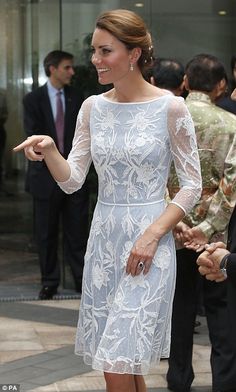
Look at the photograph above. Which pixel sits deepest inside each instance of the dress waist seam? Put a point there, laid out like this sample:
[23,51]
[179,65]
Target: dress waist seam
[130,204]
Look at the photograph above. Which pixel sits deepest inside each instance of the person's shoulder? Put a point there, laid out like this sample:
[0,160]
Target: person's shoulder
[210,113]
[37,92]
[88,103]
[166,99]
[175,104]
[167,95]
[175,98]
[200,106]
[35,96]
[90,99]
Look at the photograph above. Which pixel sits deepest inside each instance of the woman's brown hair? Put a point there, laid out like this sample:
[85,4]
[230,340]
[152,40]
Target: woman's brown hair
[129,28]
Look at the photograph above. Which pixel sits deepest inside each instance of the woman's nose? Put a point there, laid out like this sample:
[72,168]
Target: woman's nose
[95,59]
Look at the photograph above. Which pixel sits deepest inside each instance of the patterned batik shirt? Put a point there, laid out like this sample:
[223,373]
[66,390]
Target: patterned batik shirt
[216,137]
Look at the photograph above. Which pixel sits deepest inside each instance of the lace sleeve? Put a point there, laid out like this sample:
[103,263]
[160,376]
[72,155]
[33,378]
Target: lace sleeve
[185,154]
[79,158]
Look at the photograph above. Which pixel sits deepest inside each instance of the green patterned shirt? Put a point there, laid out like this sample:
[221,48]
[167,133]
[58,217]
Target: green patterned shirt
[216,138]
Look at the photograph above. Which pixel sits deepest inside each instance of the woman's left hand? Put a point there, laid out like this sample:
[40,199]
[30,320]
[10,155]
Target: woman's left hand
[142,253]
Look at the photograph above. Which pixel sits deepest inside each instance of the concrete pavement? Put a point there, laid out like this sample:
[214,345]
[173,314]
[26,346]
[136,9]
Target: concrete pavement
[37,351]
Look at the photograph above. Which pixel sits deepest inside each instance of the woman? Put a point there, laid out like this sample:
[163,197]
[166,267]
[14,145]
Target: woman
[132,133]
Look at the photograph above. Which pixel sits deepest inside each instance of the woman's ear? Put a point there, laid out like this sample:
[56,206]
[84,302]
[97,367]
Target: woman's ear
[135,54]
[221,87]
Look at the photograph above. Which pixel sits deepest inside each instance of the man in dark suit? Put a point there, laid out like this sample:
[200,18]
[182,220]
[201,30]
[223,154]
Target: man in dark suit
[52,109]
[219,264]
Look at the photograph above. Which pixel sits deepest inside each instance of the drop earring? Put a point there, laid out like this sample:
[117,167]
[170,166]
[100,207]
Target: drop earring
[131,67]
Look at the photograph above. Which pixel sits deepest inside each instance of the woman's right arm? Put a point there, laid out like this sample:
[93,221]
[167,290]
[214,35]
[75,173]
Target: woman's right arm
[42,147]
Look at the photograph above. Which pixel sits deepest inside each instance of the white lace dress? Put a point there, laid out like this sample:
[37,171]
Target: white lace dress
[124,321]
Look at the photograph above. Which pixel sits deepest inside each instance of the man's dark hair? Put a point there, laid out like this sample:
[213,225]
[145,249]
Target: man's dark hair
[167,73]
[204,71]
[55,58]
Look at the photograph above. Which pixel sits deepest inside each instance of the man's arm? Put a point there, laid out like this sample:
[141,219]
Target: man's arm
[221,206]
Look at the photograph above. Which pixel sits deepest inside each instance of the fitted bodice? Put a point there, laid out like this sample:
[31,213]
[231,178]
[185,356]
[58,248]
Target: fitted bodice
[130,150]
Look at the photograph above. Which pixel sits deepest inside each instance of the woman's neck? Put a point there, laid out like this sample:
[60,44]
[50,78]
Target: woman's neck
[138,91]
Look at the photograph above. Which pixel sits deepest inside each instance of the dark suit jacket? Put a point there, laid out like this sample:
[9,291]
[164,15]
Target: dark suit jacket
[227,103]
[38,120]
[231,245]
[231,290]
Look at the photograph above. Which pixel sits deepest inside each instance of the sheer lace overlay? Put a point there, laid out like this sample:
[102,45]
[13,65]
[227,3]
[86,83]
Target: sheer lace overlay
[124,321]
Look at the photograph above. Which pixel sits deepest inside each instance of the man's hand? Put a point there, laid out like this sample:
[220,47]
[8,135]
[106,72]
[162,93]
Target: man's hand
[209,261]
[214,245]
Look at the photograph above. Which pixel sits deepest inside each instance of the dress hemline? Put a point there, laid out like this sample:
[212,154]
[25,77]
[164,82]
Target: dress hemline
[101,369]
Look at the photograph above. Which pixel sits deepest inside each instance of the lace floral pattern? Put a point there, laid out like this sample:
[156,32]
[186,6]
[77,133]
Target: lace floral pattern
[124,322]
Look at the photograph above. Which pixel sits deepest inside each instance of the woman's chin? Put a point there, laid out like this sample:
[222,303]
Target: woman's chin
[103,81]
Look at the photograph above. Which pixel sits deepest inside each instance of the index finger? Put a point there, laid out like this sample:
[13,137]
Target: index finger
[22,145]
[30,141]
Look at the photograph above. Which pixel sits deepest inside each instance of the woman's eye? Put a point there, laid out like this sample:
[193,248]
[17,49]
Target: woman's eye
[101,52]
[106,51]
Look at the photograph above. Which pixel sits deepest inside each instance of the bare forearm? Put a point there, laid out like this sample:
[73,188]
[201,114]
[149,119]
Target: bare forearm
[57,165]
[167,221]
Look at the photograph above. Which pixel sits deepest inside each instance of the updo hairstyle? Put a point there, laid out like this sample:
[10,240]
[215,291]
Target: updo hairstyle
[129,28]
